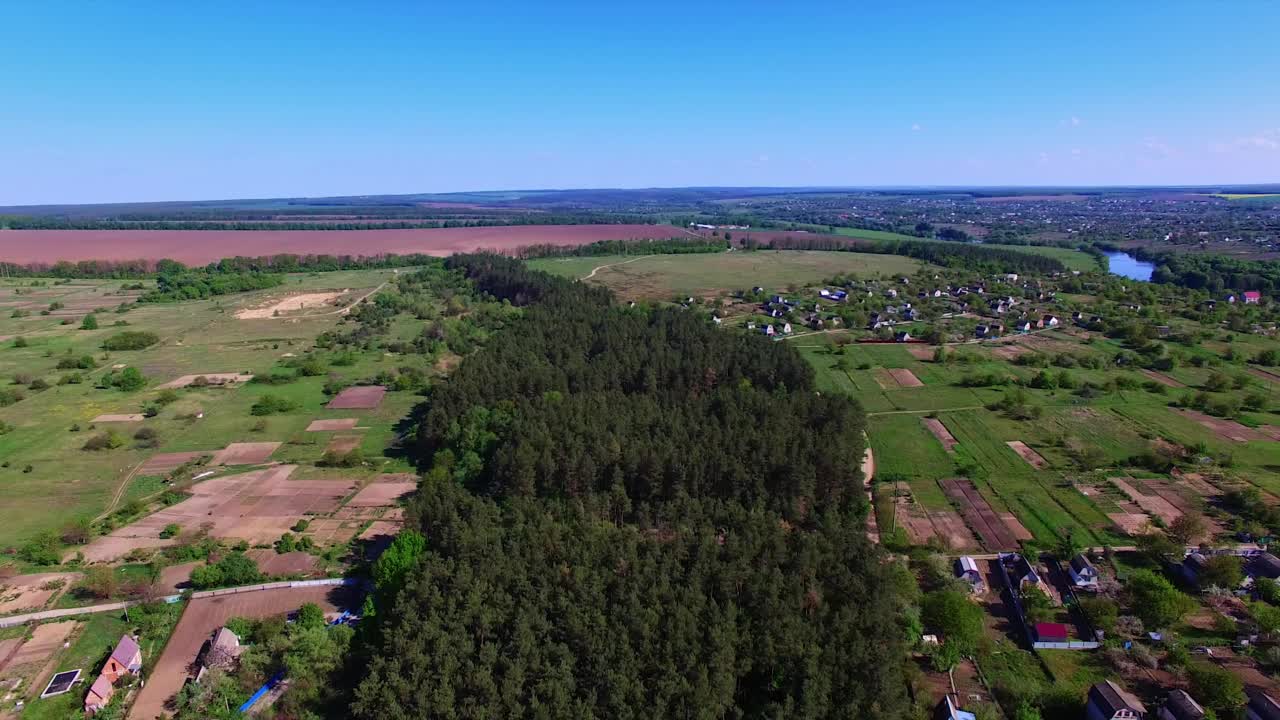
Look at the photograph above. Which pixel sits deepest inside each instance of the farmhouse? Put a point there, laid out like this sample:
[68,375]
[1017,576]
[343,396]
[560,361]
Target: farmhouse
[1083,573]
[99,696]
[1262,707]
[1023,326]
[1252,297]
[947,710]
[967,570]
[1049,321]
[1109,701]
[1022,573]
[1192,565]
[902,336]
[1266,566]
[1180,706]
[222,651]
[1051,632]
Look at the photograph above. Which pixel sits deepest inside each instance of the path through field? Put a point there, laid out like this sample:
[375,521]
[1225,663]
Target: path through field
[598,268]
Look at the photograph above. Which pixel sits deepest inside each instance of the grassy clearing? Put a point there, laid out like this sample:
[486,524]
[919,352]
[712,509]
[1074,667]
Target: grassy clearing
[665,276]
[48,480]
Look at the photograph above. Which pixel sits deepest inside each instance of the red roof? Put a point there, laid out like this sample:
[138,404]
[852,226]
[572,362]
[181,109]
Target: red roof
[1253,295]
[1051,631]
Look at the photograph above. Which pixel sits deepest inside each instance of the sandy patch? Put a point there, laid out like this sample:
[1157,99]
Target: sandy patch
[337,424]
[332,531]
[31,592]
[293,303]
[1033,458]
[254,453]
[213,378]
[109,418]
[941,432]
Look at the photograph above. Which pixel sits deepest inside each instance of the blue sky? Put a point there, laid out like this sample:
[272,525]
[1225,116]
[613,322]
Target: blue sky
[104,102]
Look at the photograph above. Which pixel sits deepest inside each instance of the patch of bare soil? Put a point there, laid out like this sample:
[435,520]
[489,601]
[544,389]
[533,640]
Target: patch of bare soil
[1161,378]
[905,378]
[1033,458]
[941,432]
[1151,504]
[1229,429]
[293,303]
[210,379]
[921,352]
[32,592]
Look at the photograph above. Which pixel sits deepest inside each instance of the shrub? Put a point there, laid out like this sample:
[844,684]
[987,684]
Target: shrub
[146,438]
[170,530]
[353,458]
[108,440]
[167,396]
[130,340]
[270,404]
[90,322]
[38,384]
[234,569]
[20,342]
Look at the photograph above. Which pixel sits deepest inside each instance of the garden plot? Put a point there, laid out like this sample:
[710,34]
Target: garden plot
[210,378]
[382,494]
[343,444]
[332,531]
[361,397]
[256,506]
[123,418]
[982,518]
[922,524]
[1228,429]
[941,432]
[32,592]
[1006,351]
[254,453]
[290,563]
[329,425]
[922,352]
[1033,458]
[1152,504]
[34,656]
[894,378]
[168,462]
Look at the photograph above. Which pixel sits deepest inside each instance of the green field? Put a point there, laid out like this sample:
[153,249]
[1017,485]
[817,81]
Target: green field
[705,274]
[47,480]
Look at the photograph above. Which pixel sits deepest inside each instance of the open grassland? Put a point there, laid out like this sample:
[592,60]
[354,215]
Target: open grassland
[1248,196]
[48,480]
[708,274]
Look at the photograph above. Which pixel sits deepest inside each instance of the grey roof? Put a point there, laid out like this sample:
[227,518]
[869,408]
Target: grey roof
[1267,565]
[1264,706]
[1080,563]
[1110,697]
[1181,706]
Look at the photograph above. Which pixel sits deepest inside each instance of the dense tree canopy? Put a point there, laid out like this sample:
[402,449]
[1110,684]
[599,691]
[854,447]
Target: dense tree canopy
[630,514]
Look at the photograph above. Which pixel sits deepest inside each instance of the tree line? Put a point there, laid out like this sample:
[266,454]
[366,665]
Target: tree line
[954,255]
[1214,273]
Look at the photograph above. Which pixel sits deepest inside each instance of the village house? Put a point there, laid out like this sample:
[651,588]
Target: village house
[100,693]
[221,651]
[1180,706]
[125,659]
[1262,707]
[1192,565]
[1047,632]
[768,330]
[1265,565]
[1252,297]
[1109,701]
[1023,574]
[1049,321]
[981,331]
[1023,326]
[786,328]
[948,710]
[902,336]
[967,570]
[1083,573]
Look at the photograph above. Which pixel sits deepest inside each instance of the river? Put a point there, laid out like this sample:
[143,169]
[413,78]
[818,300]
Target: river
[1126,265]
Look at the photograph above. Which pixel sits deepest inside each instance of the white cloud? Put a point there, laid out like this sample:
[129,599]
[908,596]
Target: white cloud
[915,127]
[1075,121]
[1264,140]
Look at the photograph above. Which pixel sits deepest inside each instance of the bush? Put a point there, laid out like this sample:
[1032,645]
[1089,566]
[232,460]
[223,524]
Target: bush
[350,459]
[167,396]
[234,569]
[90,322]
[84,362]
[130,340]
[146,438]
[38,384]
[270,404]
[109,440]
[170,530]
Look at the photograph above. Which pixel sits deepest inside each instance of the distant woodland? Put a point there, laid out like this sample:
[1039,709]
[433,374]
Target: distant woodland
[631,515]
